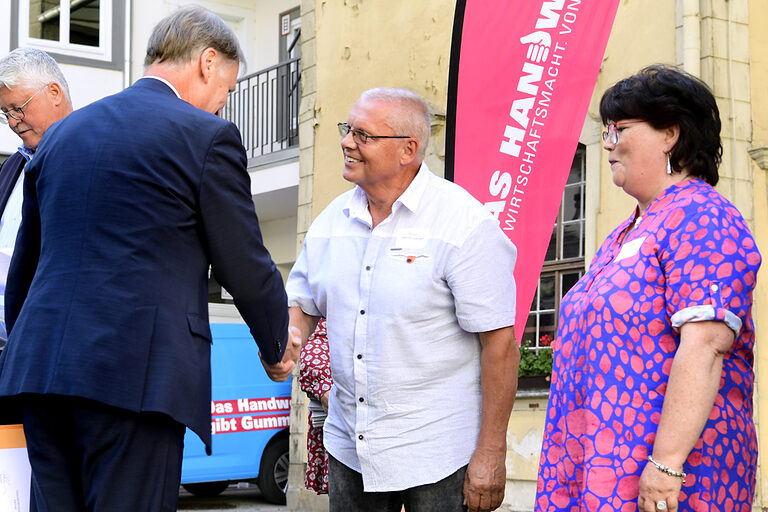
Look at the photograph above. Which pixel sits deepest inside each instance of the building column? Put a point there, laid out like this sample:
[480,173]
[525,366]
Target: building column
[759,156]
[726,65]
[298,497]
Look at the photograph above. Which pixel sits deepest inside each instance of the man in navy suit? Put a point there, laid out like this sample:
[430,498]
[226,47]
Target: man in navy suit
[126,204]
[33,95]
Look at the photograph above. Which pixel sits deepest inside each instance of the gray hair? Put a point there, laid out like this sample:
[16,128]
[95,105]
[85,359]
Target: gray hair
[410,115]
[29,67]
[183,34]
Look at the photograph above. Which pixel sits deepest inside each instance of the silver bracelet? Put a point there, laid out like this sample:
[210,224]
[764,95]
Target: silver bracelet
[665,469]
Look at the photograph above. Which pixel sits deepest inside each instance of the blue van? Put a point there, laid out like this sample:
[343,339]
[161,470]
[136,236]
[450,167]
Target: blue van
[249,421]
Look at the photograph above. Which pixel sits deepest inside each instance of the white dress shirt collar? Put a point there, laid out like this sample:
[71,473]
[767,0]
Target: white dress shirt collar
[357,205]
[166,82]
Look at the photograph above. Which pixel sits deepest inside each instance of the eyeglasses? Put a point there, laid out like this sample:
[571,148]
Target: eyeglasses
[612,135]
[360,137]
[19,111]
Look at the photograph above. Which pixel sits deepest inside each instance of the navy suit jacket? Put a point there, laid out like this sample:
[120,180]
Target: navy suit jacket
[126,203]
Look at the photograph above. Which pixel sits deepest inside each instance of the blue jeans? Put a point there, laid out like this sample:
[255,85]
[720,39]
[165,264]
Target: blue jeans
[345,492]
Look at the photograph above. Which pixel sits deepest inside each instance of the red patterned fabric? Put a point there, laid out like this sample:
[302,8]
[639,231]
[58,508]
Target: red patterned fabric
[315,380]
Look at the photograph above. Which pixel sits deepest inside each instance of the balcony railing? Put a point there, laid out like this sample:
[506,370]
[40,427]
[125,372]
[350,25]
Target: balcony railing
[265,107]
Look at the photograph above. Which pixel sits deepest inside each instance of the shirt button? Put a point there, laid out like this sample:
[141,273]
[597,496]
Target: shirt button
[714,288]
[359,356]
[367,267]
[360,437]
[361,399]
[362,311]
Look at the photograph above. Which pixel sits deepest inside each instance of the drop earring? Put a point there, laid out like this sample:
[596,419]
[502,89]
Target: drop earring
[669,165]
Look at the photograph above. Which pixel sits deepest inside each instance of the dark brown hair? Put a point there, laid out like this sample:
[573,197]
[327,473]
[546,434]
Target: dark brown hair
[665,96]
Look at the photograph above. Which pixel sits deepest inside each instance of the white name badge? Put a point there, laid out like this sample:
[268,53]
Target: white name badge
[629,249]
[410,240]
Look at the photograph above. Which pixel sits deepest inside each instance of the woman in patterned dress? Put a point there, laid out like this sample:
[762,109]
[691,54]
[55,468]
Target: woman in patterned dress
[651,399]
[316,381]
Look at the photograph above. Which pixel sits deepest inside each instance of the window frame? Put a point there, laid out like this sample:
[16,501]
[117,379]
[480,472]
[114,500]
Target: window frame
[558,267]
[109,54]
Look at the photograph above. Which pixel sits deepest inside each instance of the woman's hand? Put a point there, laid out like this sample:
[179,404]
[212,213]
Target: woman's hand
[324,400]
[655,487]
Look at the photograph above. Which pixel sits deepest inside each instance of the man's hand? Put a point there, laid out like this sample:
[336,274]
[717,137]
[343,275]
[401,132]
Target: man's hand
[485,481]
[486,475]
[280,371]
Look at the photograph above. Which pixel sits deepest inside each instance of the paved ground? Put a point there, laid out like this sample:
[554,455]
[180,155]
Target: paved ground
[246,499]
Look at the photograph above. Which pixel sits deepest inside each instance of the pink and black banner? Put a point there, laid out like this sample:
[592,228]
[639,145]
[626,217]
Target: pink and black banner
[521,78]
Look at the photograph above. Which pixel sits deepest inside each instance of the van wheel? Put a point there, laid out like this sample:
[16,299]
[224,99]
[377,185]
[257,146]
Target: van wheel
[206,489]
[273,472]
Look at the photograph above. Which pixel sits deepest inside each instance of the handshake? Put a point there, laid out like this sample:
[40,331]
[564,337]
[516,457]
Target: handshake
[282,370]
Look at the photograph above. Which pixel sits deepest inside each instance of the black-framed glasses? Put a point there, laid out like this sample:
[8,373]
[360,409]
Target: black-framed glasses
[612,135]
[360,137]
[18,112]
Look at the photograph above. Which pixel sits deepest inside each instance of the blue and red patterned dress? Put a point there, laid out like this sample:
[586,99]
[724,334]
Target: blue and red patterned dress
[690,257]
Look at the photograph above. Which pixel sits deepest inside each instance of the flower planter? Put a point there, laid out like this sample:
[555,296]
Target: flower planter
[533,382]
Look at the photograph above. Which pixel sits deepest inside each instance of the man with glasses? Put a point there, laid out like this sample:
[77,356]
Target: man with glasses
[127,203]
[415,279]
[33,95]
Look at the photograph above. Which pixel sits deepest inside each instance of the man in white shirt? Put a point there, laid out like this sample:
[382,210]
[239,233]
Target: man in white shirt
[415,279]
[33,95]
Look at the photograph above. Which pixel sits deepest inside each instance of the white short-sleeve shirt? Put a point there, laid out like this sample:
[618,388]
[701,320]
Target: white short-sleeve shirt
[404,302]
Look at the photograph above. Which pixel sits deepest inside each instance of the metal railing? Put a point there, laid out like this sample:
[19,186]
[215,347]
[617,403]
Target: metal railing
[265,108]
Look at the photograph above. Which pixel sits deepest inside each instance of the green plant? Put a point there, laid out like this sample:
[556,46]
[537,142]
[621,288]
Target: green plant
[536,361]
